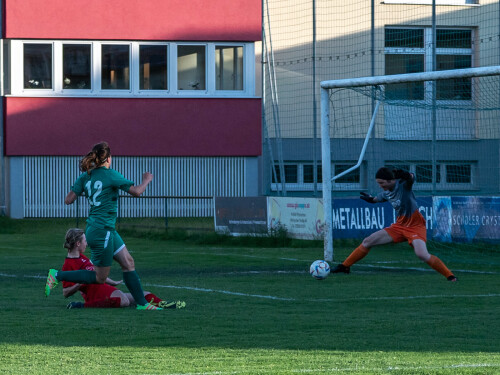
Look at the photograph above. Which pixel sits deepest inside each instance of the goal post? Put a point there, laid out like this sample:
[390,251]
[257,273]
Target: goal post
[449,105]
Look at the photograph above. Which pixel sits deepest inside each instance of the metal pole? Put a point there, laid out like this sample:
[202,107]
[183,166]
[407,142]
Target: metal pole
[327,174]
[434,117]
[315,135]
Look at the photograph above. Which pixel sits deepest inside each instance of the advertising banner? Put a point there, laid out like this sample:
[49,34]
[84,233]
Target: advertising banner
[241,215]
[302,217]
[355,218]
[466,219]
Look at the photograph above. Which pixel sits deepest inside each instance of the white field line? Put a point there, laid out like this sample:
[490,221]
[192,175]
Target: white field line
[305,261]
[351,369]
[276,298]
[206,290]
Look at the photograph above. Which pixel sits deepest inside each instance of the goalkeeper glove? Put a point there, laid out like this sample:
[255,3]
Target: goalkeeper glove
[401,174]
[367,197]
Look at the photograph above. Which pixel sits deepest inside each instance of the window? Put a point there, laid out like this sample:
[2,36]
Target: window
[77,60]
[300,176]
[408,50]
[458,173]
[423,173]
[129,69]
[115,67]
[37,66]
[191,67]
[429,2]
[290,171]
[349,178]
[228,68]
[153,73]
[309,174]
[449,175]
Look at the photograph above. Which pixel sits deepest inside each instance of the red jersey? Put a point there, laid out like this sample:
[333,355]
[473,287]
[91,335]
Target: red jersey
[90,292]
[75,264]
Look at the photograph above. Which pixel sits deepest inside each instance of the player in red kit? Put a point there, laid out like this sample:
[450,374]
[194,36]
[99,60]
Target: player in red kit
[98,295]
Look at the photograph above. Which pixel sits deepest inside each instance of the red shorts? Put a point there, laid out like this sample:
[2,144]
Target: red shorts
[98,292]
[409,229]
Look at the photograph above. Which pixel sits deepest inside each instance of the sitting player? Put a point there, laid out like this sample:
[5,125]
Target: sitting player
[409,226]
[99,295]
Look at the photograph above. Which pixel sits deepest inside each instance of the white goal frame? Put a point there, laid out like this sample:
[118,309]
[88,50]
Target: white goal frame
[326,159]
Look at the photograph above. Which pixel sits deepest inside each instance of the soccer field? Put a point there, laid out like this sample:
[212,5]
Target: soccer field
[252,311]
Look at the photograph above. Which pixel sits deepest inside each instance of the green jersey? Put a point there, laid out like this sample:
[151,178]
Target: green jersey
[101,187]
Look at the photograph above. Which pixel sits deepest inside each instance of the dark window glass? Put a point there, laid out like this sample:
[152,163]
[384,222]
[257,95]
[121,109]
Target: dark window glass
[351,177]
[404,38]
[453,38]
[115,67]
[37,66]
[291,175]
[458,88]
[402,64]
[76,66]
[424,173]
[458,173]
[309,173]
[153,67]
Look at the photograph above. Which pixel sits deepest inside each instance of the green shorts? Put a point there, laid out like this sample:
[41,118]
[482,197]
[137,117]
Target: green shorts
[104,245]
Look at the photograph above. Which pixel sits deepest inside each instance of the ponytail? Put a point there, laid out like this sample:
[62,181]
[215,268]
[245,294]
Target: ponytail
[95,158]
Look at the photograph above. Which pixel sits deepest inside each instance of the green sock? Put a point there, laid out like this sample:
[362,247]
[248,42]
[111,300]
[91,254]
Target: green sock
[133,284]
[80,276]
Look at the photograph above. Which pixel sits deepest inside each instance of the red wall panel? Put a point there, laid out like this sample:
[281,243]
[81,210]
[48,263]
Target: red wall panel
[133,127]
[208,20]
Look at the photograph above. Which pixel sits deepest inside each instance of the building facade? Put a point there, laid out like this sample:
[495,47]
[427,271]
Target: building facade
[323,40]
[169,85]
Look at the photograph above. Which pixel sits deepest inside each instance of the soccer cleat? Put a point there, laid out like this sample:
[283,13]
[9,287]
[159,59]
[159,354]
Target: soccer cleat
[148,306]
[452,278]
[340,268]
[172,304]
[75,305]
[51,281]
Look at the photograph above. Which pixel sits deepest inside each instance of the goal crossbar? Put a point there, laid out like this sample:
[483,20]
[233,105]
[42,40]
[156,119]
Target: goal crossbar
[411,77]
[326,86]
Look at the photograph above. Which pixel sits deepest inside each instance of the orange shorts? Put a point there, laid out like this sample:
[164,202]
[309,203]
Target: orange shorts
[409,229]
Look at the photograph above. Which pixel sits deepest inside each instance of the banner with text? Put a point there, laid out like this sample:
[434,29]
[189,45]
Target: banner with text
[466,219]
[302,217]
[241,215]
[355,218]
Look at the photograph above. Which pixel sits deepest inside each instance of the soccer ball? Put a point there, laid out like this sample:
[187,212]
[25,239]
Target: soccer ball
[319,269]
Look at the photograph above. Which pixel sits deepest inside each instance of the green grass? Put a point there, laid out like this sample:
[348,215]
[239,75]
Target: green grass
[251,310]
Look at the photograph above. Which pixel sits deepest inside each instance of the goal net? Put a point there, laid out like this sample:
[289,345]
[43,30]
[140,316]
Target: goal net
[442,126]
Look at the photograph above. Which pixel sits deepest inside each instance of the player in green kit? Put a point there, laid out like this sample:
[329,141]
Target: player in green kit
[101,185]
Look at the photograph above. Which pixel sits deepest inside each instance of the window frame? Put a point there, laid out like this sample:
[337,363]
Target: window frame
[17,70]
[428,63]
[20,65]
[300,185]
[438,2]
[60,60]
[442,185]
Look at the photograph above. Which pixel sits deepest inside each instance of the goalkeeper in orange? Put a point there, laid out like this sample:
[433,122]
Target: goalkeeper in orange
[409,226]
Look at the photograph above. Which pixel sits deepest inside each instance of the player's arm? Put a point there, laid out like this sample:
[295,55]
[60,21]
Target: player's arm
[70,198]
[368,198]
[407,177]
[70,290]
[137,190]
[76,189]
